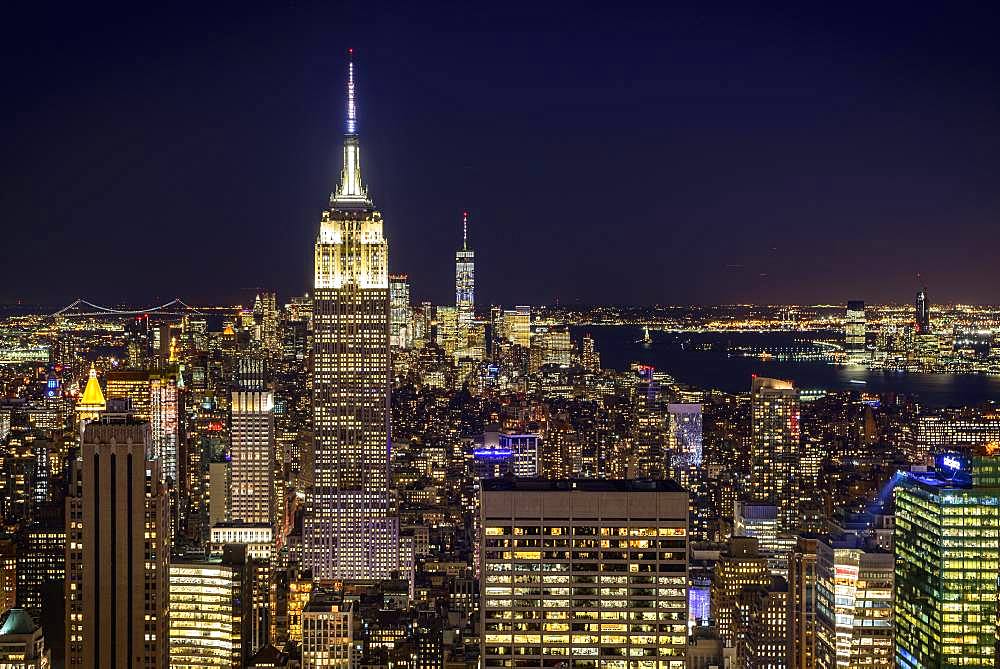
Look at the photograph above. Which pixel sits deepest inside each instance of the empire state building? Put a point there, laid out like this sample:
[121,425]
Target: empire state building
[349,530]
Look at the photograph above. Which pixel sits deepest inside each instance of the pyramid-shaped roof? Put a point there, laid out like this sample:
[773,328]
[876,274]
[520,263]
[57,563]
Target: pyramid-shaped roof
[93,396]
[17,622]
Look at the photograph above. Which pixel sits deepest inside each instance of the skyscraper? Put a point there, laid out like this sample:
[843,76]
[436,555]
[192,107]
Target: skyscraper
[252,452]
[922,312]
[853,603]
[775,445]
[92,401]
[465,282]
[947,545]
[802,604]
[265,310]
[854,332]
[348,530]
[584,572]
[8,574]
[117,552]
[401,315]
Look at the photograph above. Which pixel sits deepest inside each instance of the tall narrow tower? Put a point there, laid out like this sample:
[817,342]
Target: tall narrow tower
[775,446]
[117,552]
[465,283]
[349,531]
[922,312]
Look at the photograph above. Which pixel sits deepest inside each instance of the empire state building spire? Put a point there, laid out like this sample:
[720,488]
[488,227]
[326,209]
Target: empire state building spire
[351,193]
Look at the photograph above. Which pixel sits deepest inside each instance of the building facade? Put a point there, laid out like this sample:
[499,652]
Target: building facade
[854,584]
[947,544]
[585,571]
[252,451]
[775,446]
[854,332]
[117,552]
[349,531]
[210,616]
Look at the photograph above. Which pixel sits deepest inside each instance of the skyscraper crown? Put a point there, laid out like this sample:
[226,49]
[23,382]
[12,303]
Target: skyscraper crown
[351,193]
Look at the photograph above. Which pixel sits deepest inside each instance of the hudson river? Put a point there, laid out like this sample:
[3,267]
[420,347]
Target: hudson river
[684,357]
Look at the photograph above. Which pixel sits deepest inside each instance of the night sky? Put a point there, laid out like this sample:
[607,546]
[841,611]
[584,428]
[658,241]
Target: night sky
[709,153]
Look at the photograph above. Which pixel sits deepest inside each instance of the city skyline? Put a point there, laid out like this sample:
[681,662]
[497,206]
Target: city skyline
[864,165]
[349,474]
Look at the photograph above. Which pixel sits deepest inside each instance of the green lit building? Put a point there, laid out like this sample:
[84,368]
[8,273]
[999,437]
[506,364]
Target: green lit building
[947,542]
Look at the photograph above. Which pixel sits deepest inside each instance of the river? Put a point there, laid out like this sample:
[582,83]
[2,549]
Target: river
[679,355]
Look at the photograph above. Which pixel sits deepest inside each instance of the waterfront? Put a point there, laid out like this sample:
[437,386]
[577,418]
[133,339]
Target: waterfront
[702,360]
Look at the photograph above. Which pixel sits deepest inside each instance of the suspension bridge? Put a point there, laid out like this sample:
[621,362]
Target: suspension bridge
[82,307]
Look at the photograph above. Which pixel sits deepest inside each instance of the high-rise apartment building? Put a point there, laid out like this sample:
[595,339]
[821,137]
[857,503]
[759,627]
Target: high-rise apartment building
[588,572]
[953,429]
[164,423]
[761,521]
[210,616]
[465,283]
[349,531]
[551,345]
[853,604]
[947,545]
[266,316]
[41,562]
[117,552]
[446,325]
[153,397]
[775,446]
[590,359]
[854,332]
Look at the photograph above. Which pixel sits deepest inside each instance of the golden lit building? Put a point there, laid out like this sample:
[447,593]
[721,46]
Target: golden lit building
[210,611]
[299,591]
[92,402]
[348,531]
[588,571]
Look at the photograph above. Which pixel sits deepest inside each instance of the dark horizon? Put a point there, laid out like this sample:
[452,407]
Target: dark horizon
[649,156]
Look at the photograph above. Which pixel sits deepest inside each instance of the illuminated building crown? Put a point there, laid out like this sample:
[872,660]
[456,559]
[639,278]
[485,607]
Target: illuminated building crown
[351,193]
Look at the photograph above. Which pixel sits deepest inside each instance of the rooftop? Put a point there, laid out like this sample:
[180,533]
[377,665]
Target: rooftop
[581,485]
[17,621]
